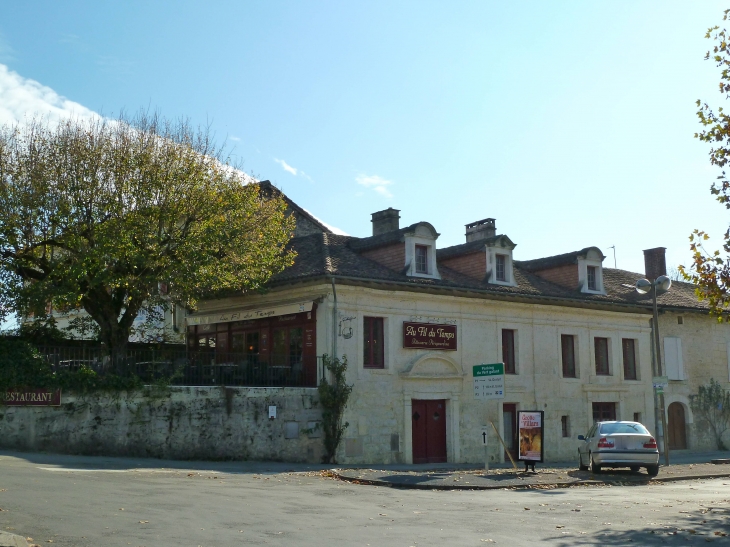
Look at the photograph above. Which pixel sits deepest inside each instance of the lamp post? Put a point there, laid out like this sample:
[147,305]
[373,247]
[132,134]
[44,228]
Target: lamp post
[659,286]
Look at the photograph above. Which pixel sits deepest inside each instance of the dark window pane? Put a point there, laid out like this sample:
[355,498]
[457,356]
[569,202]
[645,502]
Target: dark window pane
[564,426]
[279,357]
[421,259]
[508,351]
[603,412]
[592,278]
[602,356]
[501,268]
[296,346]
[629,358]
[373,348]
[568,351]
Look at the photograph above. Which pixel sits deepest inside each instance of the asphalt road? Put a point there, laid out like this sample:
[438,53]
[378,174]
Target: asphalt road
[67,501]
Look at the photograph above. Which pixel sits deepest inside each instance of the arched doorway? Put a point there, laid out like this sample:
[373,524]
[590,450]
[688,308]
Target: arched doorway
[677,434]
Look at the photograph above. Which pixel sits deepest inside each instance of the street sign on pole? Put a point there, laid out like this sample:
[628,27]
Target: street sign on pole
[489,381]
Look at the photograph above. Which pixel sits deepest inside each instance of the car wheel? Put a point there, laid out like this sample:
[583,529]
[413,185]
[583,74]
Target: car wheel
[595,468]
[580,462]
[652,470]
[634,468]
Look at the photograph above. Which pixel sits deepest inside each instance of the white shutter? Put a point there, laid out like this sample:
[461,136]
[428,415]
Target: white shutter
[673,365]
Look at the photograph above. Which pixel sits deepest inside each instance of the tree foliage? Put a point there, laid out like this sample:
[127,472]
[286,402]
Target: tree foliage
[712,405]
[333,397]
[710,270]
[117,216]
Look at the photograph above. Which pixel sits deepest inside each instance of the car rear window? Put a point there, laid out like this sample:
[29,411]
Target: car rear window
[608,429]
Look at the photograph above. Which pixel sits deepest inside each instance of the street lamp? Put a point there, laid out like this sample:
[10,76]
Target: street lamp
[659,286]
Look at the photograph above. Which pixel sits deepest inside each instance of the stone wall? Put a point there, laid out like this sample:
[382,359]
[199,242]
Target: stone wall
[186,423]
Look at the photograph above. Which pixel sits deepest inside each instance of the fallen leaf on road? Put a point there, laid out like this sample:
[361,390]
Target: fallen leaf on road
[143,521]
[527,508]
[560,526]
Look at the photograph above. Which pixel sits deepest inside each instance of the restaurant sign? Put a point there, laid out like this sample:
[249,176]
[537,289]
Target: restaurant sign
[31,397]
[243,315]
[429,336]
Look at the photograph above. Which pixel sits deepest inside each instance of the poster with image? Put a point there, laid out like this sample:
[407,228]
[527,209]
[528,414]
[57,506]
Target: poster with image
[530,425]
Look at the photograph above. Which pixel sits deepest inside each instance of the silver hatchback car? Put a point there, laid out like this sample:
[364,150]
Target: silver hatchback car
[618,444]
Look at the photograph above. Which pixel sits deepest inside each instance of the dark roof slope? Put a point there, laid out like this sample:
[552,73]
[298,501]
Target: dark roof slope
[270,189]
[325,254]
[552,261]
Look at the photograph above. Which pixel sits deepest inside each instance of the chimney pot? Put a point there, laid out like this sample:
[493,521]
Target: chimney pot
[481,229]
[655,262]
[385,221]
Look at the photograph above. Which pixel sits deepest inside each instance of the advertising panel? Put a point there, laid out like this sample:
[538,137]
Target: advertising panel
[429,336]
[531,434]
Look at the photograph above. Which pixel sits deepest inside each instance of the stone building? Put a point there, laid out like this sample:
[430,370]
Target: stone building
[574,336]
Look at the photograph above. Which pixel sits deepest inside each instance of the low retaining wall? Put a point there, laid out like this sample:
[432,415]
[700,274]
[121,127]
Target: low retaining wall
[187,423]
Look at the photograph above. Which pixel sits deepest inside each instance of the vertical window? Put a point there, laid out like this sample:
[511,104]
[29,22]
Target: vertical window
[567,342]
[592,286]
[604,412]
[508,351]
[565,426]
[602,368]
[421,259]
[373,356]
[637,417]
[629,352]
[501,268]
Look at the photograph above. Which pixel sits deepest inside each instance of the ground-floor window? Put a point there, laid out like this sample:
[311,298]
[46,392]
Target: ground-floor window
[604,412]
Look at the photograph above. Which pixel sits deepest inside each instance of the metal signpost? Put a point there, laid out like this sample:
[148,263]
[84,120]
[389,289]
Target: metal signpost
[488,384]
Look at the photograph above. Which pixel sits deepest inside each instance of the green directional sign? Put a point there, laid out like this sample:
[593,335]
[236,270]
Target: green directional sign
[489,381]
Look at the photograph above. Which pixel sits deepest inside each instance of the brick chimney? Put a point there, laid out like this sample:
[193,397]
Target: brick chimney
[481,229]
[655,262]
[385,221]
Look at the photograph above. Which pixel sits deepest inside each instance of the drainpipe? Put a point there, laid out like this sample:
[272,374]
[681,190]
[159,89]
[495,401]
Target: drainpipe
[334,320]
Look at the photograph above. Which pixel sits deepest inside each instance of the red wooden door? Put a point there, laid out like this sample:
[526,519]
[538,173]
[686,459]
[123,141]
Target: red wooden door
[676,426]
[428,421]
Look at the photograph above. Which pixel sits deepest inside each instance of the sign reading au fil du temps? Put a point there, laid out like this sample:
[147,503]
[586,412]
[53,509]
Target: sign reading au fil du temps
[31,397]
[429,336]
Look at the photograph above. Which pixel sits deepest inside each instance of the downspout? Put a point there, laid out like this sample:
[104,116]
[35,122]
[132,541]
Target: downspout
[334,320]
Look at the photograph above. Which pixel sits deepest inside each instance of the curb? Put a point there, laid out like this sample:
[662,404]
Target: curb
[12,540]
[540,486]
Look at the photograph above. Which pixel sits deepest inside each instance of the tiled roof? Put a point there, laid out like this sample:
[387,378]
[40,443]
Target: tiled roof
[269,188]
[552,261]
[323,255]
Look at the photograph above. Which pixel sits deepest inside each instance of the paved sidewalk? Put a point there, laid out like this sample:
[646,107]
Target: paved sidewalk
[685,466]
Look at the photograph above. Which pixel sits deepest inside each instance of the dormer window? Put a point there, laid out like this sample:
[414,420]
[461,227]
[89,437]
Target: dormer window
[420,247]
[421,259]
[592,278]
[501,261]
[500,270]
[590,271]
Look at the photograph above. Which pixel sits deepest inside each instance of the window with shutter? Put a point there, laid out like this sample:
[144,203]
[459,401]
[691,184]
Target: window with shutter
[673,365]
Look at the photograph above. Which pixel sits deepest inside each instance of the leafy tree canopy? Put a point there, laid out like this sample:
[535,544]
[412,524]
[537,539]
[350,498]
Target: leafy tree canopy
[109,215]
[710,270]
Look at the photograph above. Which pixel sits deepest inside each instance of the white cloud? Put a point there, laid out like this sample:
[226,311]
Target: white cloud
[288,168]
[377,183]
[232,138]
[22,98]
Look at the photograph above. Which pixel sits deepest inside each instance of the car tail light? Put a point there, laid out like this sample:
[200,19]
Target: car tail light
[651,443]
[603,442]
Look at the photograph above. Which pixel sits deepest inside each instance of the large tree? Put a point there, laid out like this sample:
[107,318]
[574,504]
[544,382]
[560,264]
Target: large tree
[100,215]
[710,270]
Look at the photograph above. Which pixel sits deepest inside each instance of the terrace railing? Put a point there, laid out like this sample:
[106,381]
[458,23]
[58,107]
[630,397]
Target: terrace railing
[185,368]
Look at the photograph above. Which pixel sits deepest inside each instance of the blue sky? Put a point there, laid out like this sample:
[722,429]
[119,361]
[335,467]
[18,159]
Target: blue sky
[571,123]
